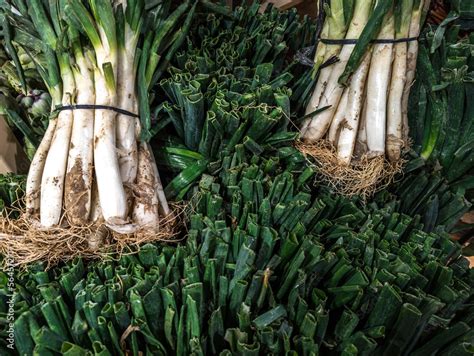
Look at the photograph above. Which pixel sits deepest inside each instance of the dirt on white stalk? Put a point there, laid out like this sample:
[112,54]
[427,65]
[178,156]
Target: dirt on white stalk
[350,126]
[361,143]
[96,212]
[126,139]
[339,117]
[394,115]
[79,176]
[145,209]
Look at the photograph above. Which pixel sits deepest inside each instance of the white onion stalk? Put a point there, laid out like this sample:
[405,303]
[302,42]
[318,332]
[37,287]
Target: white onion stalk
[334,28]
[33,182]
[136,163]
[52,183]
[150,199]
[127,100]
[96,212]
[350,126]
[100,27]
[109,180]
[412,56]
[145,210]
[44,164]
[377,90]
[339,117]
[79,176]
[361,142]
[333,92]
[163,207]
[397,85]
[322,48]
[323,76]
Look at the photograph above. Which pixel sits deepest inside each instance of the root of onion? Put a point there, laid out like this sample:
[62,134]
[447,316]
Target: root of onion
[363,177]
[24,243]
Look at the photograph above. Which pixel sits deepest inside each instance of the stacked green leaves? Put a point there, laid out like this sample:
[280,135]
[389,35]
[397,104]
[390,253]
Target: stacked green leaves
[266,268]
[441,112]
[227,87]
[253,119]
[465,11]
[426,193]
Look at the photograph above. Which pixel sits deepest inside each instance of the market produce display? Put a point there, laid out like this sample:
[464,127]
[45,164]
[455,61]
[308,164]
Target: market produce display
[270,259]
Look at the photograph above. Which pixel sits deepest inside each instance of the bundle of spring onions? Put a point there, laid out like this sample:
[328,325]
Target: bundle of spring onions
[365,62]
[94,163]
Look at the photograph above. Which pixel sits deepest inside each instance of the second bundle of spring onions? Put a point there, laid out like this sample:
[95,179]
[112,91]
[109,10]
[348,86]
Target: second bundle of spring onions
[94,163]
[364,94]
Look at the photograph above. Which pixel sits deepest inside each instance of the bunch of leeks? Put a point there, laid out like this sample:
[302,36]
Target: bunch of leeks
[365,92]
[95,164]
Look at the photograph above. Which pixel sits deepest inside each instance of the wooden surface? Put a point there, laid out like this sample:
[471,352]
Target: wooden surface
[12,156]
[308,7]
[304,7]
[280,4]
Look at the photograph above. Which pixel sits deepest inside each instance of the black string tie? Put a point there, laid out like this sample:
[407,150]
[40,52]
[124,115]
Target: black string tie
[95,107]
[346,41]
